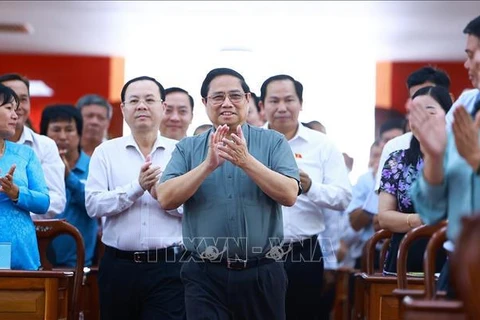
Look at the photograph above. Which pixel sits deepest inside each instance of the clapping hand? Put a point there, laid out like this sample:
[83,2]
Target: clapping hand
[149,175]
[8,186]
[214,160]
[234,150]
[430,131]
[63,156]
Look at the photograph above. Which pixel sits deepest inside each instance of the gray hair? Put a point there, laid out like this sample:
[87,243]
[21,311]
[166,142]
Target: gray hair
[90,99]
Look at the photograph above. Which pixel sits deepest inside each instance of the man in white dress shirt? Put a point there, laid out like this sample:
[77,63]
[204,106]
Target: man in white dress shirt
[139,276]
[325,185]
[44,147]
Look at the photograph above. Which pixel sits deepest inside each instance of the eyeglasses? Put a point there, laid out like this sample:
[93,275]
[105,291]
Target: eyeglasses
[218,98]
[135,102]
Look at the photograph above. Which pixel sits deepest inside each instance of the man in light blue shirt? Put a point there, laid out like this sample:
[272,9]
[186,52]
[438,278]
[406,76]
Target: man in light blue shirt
[63,124]
[449,186]
[467,99]
[357,234]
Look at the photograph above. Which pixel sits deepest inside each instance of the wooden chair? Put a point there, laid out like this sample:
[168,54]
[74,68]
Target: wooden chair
[358,310]
[429,259]
[466,266]
[373,292]
[433,305]
[47,230]
[370,246]
[424,231]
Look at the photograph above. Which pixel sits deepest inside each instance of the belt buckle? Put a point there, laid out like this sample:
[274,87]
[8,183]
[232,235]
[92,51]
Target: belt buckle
[231,264]
[137,256]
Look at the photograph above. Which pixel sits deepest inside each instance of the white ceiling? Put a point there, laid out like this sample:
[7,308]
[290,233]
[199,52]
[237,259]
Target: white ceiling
[396,30]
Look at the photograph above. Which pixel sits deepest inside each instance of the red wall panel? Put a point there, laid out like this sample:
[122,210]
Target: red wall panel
[69,76]
[401,70]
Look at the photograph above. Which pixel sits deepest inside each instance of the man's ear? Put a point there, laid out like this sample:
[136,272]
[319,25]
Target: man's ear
[122,106]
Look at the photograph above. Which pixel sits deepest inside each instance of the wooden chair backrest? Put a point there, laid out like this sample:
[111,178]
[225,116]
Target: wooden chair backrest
[47,230]
[424,231]
[370,248]
[429,260]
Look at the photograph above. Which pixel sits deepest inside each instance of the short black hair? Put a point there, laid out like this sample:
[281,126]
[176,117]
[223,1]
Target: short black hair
[429,74]
[177,89]
[395,123]
[279,77]
[61,112]
[7,95]
[15,76]
[221,72]
[141,78]
[473,27]
[96,99]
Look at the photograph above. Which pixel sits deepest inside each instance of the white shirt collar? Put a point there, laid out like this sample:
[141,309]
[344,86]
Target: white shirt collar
[302,131]
[159,142]
[26,136]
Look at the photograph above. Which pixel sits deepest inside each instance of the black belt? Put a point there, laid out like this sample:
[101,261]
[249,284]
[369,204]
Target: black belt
[149,256]
[240,264]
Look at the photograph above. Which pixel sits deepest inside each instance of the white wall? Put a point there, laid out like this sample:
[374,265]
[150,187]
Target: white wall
[337,70]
